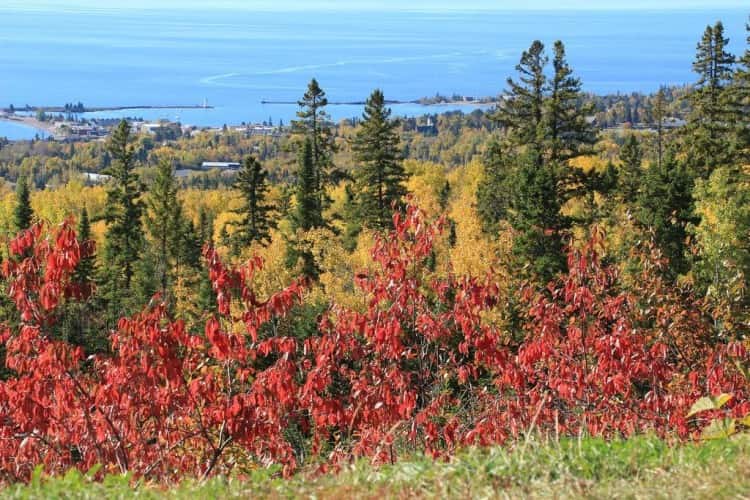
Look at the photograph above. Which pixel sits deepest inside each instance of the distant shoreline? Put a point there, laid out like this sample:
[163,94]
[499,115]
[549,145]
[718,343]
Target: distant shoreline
[29,121]
[96,109]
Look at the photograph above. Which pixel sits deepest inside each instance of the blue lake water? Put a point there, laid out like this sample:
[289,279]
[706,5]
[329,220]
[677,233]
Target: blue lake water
[233,60]
[17,131]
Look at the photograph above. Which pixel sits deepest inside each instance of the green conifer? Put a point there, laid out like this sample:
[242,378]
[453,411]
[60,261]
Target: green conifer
[630,174]
[23,213]
[380,176]
[255,221]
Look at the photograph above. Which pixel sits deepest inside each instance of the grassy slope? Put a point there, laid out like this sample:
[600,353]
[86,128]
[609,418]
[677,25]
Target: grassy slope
[590,468]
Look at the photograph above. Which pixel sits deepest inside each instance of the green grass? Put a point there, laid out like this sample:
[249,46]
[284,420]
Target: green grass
[643,467]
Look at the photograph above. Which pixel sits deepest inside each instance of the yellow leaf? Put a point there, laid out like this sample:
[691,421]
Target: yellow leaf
[706,403]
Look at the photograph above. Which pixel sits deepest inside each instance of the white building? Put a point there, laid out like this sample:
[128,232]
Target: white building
[224,165]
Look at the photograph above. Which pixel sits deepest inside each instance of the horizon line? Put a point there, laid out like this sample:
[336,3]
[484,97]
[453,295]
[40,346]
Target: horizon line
[25,7]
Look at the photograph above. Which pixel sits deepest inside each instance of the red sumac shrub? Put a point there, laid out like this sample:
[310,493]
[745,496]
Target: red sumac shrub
[421,369]
[165,403]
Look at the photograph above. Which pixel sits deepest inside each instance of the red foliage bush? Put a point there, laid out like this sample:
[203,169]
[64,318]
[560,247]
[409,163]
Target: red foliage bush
[421,369]
[164,403]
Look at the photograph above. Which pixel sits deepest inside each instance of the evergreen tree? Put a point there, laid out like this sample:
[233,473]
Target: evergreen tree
[255,221]
[79,324]
[23,214]
[567,133]
[86,270]
[205,226]
[380,176]
[444,196]
[665,206]
[190,246]
[522,108]
[535,216]
[163,224]
[308,214]
[708,125]
[124,243]
[351,217]
[206,299]
[742,102]
[631,173]
[314,124]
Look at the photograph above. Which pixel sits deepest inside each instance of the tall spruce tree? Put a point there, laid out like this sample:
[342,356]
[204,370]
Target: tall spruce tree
[351,218]
[631,173]
[308,214]
[164,224]
[567,133]
[708,141]
[314,124]
[522,109]
[380,176]
[205,226]
[124,242]
[665,207]
[530,178]
[206,297]
[79,322]
[535,216]
[255,222]
[23,213]
[521,114]
[742,101]
[86,269]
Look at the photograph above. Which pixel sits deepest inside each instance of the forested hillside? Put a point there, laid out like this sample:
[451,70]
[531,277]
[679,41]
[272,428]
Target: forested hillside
[560,265]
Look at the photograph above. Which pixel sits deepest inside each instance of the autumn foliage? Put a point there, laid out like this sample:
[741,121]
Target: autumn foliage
[422,368]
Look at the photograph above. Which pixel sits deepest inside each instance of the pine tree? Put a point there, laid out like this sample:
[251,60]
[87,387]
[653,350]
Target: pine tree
[542,117]
[444,196]
[23,213]
[665,207]
[205,226]
[79,322]
[708,143]
[189,248]
[351,218]
[567,133]
[631,173]
[308,214]
[741,100]
[163,223]
[206,297]
[124,243]
[535,216]
[380,176]
[255,221]
[522,109]
[86,270]
[314,124]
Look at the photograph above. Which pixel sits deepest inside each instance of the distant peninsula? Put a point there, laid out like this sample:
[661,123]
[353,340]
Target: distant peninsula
[80,108]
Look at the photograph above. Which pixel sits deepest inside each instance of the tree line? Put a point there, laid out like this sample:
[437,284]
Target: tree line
[540,130]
